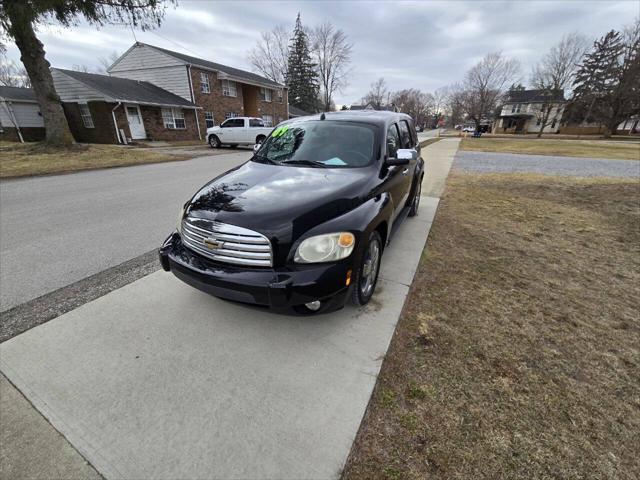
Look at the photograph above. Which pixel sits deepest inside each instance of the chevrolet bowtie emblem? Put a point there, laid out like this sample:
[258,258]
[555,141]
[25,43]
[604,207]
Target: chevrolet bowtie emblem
[212,243]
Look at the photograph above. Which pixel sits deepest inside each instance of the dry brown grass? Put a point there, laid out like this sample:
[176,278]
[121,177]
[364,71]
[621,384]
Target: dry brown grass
[518,353]
[567,148]
[28,159]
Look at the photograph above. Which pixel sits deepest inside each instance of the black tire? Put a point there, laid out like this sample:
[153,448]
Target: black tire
[214,141]
[260,139]
[233,145]
[366,277]
[415,203]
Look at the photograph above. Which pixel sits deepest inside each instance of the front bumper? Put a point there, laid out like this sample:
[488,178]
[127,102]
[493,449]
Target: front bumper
[285,289]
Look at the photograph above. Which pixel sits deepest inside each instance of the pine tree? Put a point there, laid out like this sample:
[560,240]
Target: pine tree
[302,77]
[607,84]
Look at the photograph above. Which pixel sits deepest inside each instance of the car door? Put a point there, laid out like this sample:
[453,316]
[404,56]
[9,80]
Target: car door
[395,180]
[407,141]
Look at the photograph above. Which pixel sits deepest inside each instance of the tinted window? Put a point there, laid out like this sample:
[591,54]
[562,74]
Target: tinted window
[405,135]
[254,122]
[393,141]
[321,143]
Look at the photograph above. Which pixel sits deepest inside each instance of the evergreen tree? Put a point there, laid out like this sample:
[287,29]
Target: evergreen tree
[607,84]
[302,76]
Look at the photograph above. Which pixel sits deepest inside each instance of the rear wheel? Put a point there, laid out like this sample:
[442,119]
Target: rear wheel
[260,139]
[214,141]
[413,211]
[367,276]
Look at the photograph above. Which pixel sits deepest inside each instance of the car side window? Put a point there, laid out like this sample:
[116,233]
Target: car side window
[405,135]
[237,122]
[226,124]
[254,122]
[393,141]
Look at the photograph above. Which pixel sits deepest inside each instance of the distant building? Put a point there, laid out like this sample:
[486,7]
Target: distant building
[219,91]
[521,112]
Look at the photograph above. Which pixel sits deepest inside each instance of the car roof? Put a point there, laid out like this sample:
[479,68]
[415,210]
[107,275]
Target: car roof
[375,117]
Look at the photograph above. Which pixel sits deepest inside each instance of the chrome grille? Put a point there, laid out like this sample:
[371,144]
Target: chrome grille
[226,243]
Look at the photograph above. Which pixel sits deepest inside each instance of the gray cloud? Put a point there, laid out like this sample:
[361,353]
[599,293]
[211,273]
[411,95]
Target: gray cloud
[412,44]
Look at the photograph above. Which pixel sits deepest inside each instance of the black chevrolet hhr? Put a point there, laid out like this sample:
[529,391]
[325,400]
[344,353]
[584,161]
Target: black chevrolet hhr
[301,227]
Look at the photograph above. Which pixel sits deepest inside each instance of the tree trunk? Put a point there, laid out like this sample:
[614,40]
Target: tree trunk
[545,120]
[37,66]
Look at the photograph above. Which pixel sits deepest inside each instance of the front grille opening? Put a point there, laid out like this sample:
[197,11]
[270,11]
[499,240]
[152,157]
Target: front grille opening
[226,243]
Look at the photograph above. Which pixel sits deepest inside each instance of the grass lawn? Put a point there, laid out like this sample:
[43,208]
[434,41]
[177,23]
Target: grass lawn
[517,355]
[27,159]
[567,148]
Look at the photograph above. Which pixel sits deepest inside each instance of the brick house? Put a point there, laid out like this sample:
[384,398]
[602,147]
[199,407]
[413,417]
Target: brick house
[105,109]
[20,117]
[218,90]
[521,112]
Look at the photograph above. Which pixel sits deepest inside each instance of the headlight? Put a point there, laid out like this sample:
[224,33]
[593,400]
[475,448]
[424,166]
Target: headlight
[325,248]
[179,224]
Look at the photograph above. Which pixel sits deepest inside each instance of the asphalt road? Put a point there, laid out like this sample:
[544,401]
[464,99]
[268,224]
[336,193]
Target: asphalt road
[59,229]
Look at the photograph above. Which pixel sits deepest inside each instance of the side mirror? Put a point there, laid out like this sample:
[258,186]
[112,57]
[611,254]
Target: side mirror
[403,156]
[256,147]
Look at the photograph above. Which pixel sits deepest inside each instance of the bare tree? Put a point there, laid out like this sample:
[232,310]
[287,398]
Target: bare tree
[484,84]
[106,62]
[554,73]
[415,103]
[12,74]
[332,53]
[378,94]
[270,56]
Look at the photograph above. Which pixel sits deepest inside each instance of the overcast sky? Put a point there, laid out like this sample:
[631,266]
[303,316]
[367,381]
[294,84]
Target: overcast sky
[423,45]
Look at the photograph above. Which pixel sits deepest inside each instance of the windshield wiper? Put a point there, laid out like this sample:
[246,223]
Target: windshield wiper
[311,163]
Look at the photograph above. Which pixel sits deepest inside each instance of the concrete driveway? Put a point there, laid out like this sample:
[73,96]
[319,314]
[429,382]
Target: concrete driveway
[158,380]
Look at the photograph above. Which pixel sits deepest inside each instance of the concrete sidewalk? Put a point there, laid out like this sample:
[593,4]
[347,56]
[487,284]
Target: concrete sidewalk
[158,380]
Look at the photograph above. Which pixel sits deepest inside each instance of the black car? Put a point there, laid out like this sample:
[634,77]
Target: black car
[301,226]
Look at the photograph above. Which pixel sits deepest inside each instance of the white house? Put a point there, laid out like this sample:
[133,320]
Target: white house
[522,112]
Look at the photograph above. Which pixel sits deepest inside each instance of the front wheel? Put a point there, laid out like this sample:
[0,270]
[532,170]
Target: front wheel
[367,275]
[214,141]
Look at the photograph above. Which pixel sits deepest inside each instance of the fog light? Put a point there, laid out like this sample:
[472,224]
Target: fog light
[313,306]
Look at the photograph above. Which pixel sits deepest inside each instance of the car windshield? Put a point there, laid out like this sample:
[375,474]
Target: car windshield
[319,143]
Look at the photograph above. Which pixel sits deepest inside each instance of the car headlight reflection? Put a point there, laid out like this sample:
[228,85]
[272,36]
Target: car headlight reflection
[325,248]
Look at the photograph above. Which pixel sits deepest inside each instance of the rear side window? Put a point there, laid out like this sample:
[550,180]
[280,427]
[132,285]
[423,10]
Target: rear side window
[405,135]
[254,122]
[393,141]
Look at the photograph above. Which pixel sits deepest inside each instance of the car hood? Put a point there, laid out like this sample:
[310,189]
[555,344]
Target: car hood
[281,202]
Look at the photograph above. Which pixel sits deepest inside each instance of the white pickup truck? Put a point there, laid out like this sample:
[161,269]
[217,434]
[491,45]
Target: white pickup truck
[238,131]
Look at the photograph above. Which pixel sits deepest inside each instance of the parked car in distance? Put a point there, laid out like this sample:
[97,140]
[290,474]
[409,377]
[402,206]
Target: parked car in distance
[301,227]
[238,131]
[469,128]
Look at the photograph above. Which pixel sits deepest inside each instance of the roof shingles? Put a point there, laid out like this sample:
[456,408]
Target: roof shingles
[127,90]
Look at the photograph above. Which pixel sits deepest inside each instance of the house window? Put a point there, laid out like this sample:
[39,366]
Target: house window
[204,83]
[513,108]
[265,94]
[280,95]
[553,124]
[208,119]
[538,122]
[231,115]
[229,88]
[268,120]
[86,115]
[173,118]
